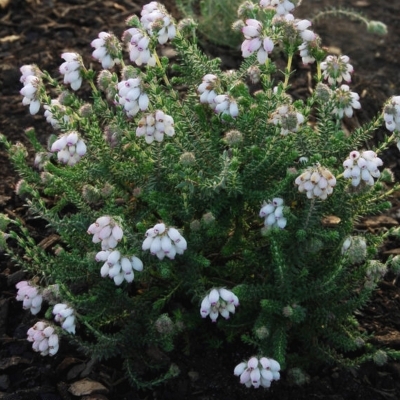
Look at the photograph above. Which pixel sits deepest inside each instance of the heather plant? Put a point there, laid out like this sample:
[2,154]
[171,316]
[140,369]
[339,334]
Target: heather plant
[183,196]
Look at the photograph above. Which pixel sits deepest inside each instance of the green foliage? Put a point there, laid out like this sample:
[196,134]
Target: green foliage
[206,13]
[299,276]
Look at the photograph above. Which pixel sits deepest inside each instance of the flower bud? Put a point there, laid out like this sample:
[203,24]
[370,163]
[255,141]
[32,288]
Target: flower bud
[380,358]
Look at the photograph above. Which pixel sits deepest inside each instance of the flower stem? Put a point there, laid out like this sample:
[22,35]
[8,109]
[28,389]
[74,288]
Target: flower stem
[319,73]
[166,80]
[288,69]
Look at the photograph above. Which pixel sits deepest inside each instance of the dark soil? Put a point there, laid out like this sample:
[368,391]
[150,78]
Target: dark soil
[38,31]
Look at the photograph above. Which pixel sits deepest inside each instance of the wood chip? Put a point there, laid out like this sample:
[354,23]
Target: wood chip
[49,241]
[10,38]
[4,3]
[377,221]
[392,251]
[362,3]
[330,220]
[86,387]
[96,396]
[4,199]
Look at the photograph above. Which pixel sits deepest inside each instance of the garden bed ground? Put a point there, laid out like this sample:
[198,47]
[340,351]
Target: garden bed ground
[38,31]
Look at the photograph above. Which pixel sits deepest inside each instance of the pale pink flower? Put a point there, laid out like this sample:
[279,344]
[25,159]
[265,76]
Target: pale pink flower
[163,241]
[336,69]
[219,301]
[258,372]
[154,126]
[107,49]
[255,42]
[282,7]
[71,69]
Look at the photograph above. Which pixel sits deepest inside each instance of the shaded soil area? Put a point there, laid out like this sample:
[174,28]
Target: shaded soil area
[38,31]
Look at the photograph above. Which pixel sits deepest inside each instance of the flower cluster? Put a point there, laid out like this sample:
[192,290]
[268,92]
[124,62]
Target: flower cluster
[282,7]
[336,69]
[307,48]
[154,17]
[30,297]
[218,301]
[41,159]
[297,27]
[345,101]
[51,118]
[43,338]
[255,41]
[31,80]
[65,316]
[206,89]
[287,118]
[163,241]
[71,69]
[69,148]
[107,50]
[106,231]
[362,167]
[220,103]
[117,267]
[226,105]
[27,71]
[254,74]
[317,182]
[132,97]
[258,372]
[294,29]
[138,47]
[391,114]
[301,26]
[374,273]
[272,213]
[154,126]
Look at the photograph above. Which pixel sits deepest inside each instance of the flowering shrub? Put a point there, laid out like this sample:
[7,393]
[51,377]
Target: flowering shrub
[183,206]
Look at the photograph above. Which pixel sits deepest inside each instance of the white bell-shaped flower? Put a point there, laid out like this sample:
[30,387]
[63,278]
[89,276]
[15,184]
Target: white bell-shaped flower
[154,126]
[258,372]
[362,167]
[44,339]
[71,69]
[132,97]
[30,296]
[107,49]
[219,301]
[107,231]
[282,7]
[316,182]
[70,148]
[156,20]
[391,114]
[32,83]
[65,316]
[272,212]
[117,266]
[163,241]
